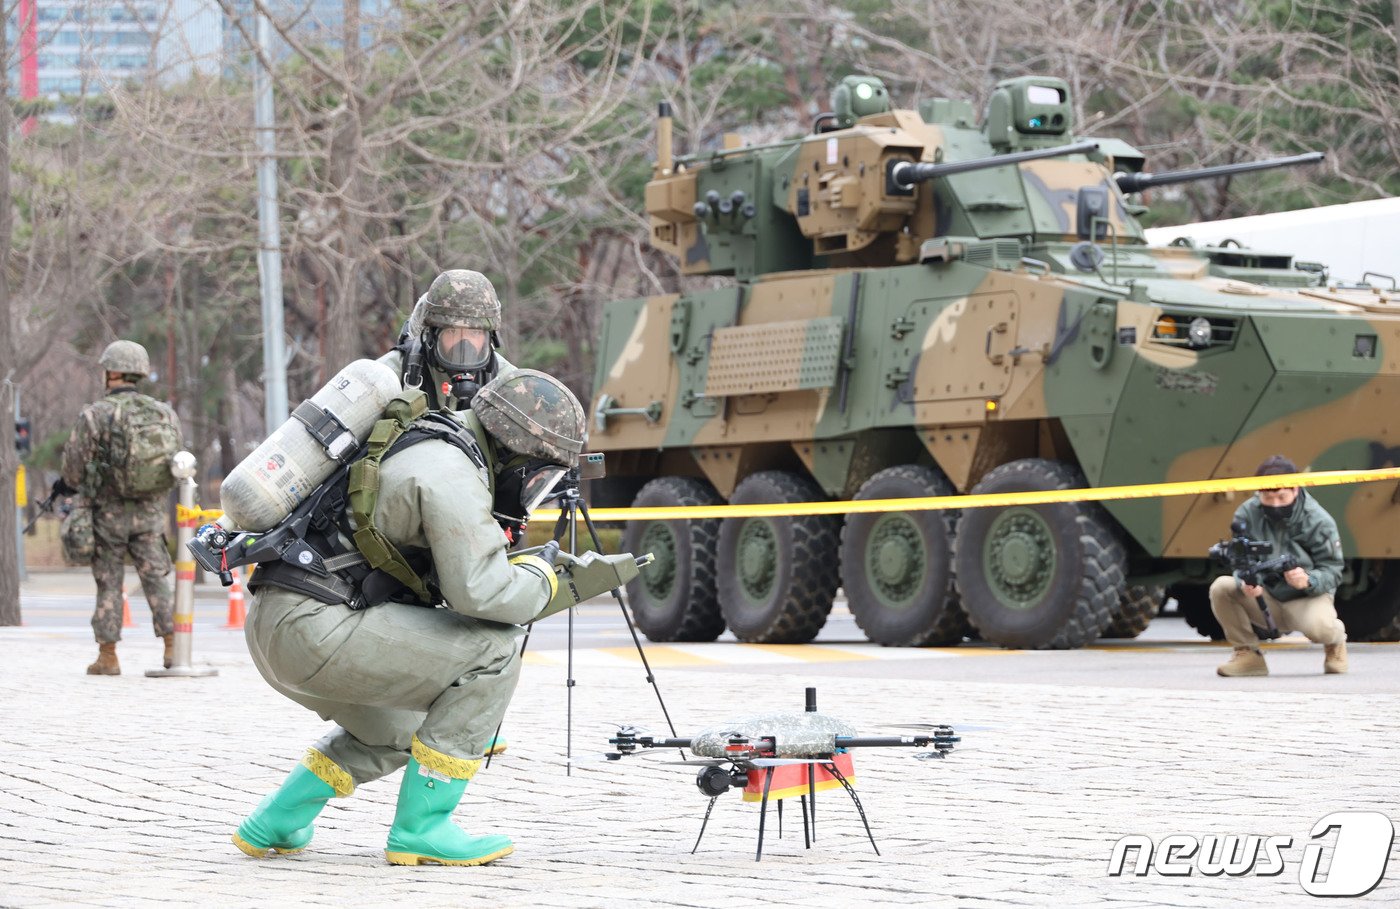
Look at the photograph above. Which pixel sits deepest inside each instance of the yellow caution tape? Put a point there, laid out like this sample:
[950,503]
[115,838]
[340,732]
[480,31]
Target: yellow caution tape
[199,515]
[937,503]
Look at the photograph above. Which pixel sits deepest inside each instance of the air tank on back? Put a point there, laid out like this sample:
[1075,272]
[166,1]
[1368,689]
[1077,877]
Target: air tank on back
[322,433]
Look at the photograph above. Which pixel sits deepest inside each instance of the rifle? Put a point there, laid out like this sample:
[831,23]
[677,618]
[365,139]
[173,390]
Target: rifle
[1248,560]
[59,488]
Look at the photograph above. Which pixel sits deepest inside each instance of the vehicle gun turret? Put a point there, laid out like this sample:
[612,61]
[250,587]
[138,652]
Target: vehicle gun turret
[1136,183]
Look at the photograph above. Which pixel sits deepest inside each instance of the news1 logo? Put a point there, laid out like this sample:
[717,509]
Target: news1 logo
[1359,857]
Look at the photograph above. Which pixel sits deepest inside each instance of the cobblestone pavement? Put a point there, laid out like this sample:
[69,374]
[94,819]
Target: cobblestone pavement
[123,791]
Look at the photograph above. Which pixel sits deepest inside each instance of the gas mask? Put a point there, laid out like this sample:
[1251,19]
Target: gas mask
[465,355]
[521,486]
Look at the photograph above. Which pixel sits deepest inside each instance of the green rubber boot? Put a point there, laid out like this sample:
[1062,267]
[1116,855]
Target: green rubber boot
[423,832]
[283,822]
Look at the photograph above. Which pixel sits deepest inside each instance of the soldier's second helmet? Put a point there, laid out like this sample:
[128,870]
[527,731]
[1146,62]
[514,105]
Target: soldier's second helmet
[459,298]
[533,414]
[126,357]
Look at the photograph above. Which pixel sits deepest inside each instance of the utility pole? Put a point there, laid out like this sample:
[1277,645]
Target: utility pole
[269,233]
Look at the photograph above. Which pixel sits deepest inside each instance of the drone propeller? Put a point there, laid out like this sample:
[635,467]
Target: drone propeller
[958,727]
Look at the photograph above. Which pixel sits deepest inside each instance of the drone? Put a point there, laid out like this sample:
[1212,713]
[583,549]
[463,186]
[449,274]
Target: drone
[777,756]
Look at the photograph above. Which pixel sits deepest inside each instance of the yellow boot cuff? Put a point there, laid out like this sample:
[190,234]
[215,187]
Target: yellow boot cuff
[454,767]
[329,771]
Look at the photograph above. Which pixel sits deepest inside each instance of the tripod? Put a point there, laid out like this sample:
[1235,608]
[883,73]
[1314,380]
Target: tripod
[571,508]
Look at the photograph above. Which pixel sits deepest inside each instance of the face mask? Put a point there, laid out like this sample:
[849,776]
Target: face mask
[521,486]
[462,349]
[1278,514]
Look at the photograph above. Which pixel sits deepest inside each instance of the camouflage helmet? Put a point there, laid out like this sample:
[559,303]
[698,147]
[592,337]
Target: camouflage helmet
[533,414]
[125,357]
[459,298]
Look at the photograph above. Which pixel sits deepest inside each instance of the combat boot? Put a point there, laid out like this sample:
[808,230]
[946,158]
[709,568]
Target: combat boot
[1334,661]
[106,661]
[169,658]
[423,832]
[1246,661]
[283,822]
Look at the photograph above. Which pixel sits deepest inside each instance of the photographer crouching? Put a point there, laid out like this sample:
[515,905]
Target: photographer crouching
[1299,598]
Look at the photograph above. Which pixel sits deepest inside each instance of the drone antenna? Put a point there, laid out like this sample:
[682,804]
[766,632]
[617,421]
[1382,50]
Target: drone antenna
[811,700]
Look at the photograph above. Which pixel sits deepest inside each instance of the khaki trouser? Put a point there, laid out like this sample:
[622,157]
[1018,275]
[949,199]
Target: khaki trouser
[1315,616]
[385,674]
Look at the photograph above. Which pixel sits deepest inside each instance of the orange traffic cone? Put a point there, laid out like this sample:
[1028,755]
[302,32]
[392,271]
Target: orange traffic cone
[236,612]
[126,611]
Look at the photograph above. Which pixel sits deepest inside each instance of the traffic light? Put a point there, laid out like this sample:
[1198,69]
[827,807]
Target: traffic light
[22,442]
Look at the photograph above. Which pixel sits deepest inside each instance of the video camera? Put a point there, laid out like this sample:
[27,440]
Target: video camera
[1249,559]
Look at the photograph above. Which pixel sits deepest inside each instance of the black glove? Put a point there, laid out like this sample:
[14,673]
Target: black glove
[61,488]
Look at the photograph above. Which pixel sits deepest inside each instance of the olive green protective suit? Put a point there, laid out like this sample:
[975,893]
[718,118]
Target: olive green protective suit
[395,671]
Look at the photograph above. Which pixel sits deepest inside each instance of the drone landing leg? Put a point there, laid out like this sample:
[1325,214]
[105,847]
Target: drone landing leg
[812,794]
[850,790]
[763,812]
[806,838]
[708,808]
[780,818]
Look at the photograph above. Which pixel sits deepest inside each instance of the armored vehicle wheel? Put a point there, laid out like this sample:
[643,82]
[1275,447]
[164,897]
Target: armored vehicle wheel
[1370,604]
[674,599]
[1193,602]
[1041,576]
[777,576]
[1136,612]
[897,567]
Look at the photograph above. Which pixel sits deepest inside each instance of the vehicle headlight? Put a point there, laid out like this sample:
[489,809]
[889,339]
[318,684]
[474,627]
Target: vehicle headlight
[1199,332]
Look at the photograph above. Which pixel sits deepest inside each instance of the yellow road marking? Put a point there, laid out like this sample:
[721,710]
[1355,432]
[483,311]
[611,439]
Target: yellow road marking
[809,653]
[661,655]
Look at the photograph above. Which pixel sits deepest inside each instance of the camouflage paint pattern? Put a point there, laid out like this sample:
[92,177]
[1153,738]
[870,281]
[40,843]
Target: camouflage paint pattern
[534,414]
[458,298]
[871,329]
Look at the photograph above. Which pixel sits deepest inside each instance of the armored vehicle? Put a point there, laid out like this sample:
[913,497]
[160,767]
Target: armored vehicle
[928,304]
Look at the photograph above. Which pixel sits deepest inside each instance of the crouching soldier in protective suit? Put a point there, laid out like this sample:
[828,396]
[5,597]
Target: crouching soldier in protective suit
[408,686]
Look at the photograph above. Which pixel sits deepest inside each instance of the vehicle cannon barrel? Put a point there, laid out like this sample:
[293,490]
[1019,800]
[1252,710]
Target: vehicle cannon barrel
[907,173]
[1134,183]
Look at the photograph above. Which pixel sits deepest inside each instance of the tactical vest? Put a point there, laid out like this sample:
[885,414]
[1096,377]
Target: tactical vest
[338,555]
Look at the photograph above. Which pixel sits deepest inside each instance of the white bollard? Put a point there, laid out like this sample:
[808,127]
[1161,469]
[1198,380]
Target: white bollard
[183,466]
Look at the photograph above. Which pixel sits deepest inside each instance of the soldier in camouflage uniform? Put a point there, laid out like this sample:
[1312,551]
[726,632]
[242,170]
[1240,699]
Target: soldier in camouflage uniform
[121,526]
[448,346]
[414,687]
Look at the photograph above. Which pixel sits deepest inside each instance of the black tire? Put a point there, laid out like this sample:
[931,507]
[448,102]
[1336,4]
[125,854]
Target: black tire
[1137,610]
[1193,602]
[1369,604]
[674,598]
[1040,576]
[777,576]
[897,567]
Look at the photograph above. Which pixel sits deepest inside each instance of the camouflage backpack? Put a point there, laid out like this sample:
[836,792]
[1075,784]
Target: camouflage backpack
[140,443]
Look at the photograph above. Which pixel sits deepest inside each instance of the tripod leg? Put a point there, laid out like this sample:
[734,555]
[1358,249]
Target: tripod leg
[806,839]
[780,818]
[850,790]
[523,644]
[626,617]
[763,812]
